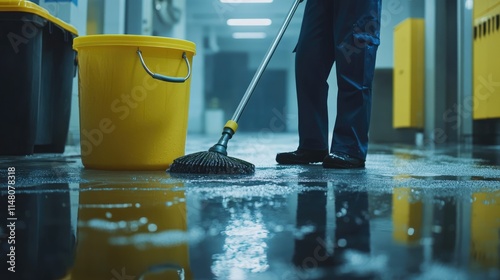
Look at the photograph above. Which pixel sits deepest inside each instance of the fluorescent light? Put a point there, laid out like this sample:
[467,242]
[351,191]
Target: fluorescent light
[249,35]
[249,22]
[246,1]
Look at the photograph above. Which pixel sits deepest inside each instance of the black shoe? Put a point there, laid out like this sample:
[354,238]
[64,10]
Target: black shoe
[301,156]
[342,160]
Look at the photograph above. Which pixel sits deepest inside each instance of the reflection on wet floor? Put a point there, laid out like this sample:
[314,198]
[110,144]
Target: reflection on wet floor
[411,214]
[138,223]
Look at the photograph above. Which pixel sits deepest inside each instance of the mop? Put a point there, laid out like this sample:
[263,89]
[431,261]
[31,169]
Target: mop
[216,160]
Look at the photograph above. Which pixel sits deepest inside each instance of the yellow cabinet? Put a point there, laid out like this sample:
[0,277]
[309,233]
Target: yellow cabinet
[409,55]
[486,101]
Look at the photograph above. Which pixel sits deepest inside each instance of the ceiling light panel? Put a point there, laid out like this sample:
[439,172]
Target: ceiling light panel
[249,22]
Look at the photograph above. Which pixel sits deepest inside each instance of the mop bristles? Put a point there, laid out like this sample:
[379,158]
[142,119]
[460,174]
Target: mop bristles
[210,163]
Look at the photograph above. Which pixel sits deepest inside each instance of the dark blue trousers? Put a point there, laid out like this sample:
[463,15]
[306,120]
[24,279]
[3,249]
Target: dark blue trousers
[344,32]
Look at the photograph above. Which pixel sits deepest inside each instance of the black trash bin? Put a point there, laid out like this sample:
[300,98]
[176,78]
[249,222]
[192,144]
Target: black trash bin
[36,79]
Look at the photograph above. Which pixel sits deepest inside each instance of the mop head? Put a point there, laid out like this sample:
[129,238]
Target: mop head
[210,163]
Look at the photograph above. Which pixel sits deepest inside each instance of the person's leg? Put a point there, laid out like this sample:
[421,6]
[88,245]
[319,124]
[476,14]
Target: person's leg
[357,33]
[315,55]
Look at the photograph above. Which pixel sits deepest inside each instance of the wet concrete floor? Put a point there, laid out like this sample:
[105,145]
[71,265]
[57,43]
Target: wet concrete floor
[412,213]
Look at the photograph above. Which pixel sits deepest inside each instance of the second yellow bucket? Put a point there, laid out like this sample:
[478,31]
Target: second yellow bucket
[134,100]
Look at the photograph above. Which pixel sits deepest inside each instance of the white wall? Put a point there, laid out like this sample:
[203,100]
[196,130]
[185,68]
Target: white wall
[114,16]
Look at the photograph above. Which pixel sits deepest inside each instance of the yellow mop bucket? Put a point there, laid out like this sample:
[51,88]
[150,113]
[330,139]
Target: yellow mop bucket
[131,116]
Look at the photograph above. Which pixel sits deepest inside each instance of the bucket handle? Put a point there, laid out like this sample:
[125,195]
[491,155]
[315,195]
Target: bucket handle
[163,77]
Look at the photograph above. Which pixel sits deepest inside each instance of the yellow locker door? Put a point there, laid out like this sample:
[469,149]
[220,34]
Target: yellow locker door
[493,43]
[408,105]
[481,7]
[486,59]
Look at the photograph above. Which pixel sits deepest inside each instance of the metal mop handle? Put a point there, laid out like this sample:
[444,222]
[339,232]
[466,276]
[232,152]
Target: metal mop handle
[263,64]
[231,125]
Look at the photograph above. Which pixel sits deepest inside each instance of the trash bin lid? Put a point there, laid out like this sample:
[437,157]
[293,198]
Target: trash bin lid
[24,6]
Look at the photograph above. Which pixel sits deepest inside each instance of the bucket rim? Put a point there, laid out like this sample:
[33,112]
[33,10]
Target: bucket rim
[133,41]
